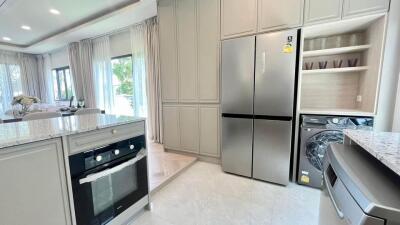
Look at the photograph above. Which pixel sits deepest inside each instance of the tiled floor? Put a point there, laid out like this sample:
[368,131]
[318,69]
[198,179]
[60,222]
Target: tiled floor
[163,166]
[204,195]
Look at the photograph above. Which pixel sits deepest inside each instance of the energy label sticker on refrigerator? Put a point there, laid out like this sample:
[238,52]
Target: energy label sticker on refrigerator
[288,47]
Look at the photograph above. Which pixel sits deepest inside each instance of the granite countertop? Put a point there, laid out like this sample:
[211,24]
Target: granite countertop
[36,130]
[384,146]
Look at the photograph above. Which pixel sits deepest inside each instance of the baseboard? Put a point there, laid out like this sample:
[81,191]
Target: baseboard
[203,158]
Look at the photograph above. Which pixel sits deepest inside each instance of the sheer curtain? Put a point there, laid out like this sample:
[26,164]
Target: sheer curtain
[45,79]
[75,68]
[145,57]
[86,52]
[102,72]
[29,74]
[138,44]
[10,80]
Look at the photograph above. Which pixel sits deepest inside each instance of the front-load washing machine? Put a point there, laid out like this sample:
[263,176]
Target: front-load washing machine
[316,134]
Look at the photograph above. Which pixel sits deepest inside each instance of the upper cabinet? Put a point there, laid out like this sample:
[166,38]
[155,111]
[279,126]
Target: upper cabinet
[322,10]
[361,7]
[168,50]
[189,50]
[208,47]
[318,11]
[238,17]
[280,14]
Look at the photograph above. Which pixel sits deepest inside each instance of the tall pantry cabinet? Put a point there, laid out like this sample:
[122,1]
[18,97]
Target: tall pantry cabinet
[189,49]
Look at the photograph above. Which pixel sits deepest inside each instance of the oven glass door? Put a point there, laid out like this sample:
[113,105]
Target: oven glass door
[102,195]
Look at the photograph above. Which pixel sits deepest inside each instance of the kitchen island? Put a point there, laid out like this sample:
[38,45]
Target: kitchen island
[35,174]
[384,146]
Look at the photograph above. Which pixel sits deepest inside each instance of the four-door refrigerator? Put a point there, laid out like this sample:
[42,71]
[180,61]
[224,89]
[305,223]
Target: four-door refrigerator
[258,93]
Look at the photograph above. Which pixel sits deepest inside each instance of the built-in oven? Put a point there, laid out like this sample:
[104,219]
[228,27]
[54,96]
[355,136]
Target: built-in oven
[108,180]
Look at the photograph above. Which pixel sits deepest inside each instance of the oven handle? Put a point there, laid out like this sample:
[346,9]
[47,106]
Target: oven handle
[95,176]
[338,211]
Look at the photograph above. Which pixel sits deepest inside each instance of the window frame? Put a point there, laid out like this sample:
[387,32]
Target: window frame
[58,97]
[121,56]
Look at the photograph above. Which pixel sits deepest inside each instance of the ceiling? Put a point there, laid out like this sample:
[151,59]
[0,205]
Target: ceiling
[78,19]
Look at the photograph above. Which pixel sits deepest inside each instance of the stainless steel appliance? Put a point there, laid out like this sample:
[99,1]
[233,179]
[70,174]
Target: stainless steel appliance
[359,190]
[108,181]
[317,132]
[258,82]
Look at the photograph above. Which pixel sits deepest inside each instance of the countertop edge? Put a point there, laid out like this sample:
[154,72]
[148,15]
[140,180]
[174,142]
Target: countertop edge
[67,132]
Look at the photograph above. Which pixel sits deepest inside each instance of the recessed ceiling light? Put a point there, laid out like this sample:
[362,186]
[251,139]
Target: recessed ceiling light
[25,27]
[54,11]
[6,39]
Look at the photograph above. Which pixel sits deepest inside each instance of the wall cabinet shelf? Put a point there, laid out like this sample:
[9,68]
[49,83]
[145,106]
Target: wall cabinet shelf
[345,70]
[348,91]
[336,51]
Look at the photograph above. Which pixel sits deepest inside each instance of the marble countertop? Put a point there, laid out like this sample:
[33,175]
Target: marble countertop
[36,130]
[384,146]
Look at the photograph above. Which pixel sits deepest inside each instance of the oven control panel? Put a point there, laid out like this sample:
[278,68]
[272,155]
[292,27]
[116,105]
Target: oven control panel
[105,154]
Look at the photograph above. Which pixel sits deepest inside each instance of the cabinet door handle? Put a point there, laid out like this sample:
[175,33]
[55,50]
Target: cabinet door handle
[113,131]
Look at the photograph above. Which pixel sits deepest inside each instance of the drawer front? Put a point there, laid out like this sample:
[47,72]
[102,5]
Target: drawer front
[92,139]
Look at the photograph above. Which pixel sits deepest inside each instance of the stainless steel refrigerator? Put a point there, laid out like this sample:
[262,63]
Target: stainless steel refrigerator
[258,92]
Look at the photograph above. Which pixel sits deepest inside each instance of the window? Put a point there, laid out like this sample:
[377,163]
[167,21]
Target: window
[123,87]
[62,83]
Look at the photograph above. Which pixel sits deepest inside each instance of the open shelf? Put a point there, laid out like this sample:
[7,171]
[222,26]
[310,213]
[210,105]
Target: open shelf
[336,112]
[336,51]
[336,70]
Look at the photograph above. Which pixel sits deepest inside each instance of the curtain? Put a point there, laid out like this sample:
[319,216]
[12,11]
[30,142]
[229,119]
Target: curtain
[102,72]
[85,50]
[10,80]
[45,79]
[29,74]
[75,69]
[145,56]
[139,70]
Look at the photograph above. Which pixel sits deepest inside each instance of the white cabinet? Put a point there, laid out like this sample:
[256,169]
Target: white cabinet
[361,7]
[238,17]
[168,50]
[209,130]
[189,128]
[33,185]
[280,14]
[208,50]
[171,132]
[187,49]
[322,11]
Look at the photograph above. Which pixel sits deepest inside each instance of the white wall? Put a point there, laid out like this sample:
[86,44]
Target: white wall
[396,120]
[120,44]
[390,71]
[59,58]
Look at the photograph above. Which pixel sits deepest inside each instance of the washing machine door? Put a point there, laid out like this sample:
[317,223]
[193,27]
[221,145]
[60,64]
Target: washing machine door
[317,145]
[314,144]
